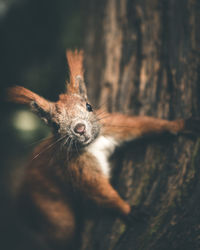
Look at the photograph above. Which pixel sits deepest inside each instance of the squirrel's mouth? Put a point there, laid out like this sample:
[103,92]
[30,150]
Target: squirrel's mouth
[83,140]
[73,142]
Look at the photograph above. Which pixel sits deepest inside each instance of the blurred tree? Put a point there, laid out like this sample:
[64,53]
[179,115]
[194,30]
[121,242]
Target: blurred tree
[34,35]
[143,58]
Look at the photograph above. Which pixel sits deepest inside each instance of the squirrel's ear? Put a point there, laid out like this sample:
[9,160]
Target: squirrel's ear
[81,87]
[75,62]
[38,104]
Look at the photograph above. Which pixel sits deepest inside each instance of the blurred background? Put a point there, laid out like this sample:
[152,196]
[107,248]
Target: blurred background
[34,36]
[142,58]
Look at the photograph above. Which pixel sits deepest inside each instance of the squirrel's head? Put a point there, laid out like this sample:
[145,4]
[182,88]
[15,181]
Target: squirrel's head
[72,117]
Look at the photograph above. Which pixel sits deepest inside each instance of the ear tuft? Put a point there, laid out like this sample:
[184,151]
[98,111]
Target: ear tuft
[22,95]
[81,87]
[75,62]
[38,104]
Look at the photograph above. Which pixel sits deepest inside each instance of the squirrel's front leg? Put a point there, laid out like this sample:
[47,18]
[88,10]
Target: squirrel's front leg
[93,185]
[127,128]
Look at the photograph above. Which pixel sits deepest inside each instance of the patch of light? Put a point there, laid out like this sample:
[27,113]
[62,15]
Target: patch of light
[25,121]
[5,5]
[3,8]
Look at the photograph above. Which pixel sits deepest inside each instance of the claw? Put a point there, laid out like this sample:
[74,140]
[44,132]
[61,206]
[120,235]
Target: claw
[138,214]
[192,125]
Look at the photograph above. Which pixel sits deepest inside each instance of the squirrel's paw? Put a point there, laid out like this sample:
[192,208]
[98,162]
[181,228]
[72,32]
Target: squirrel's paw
[138,214]
[192,126]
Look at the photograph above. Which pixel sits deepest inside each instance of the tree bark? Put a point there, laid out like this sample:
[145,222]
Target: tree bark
[143,58]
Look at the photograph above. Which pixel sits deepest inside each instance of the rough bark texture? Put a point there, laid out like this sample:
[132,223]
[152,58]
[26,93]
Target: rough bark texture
[144,58]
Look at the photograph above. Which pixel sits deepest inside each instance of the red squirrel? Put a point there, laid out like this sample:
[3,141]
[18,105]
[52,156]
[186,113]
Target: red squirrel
[71,169]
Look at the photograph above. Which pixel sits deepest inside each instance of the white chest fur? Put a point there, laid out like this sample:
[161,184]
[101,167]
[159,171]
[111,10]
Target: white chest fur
[101,149]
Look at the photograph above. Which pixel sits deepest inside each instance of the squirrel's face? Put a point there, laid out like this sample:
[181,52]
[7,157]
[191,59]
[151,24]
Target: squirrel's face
[74,120]
[72,117]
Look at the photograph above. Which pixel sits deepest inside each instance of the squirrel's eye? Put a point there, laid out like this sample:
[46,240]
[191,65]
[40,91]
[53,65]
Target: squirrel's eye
[89,107]
[55,126]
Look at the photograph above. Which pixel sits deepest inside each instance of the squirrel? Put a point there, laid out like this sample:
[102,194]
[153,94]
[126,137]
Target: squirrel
[71,169]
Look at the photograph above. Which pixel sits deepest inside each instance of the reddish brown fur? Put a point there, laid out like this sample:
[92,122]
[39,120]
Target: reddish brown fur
[56,186]
[95,186]
[22,95]
[50,187]
[46,199]
[75,62]
[124,127]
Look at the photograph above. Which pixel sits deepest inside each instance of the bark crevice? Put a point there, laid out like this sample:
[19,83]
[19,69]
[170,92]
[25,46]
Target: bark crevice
[156,72]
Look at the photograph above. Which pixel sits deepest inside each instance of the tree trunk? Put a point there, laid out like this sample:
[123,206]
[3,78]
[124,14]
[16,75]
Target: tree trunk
[143,58]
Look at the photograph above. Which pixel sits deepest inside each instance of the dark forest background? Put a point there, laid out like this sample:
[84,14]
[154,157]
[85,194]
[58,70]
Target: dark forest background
[142,58]
[34,36]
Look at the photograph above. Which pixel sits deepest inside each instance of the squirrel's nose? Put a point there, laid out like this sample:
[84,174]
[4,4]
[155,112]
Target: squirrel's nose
[79,128]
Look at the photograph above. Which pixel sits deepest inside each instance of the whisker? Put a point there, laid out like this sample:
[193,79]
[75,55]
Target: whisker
[68,149]
[65,143]
[102,112]
[102,104]
[117,126]
[40,140]
[97,119]
[76,146]
[104,117]
[48,147]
